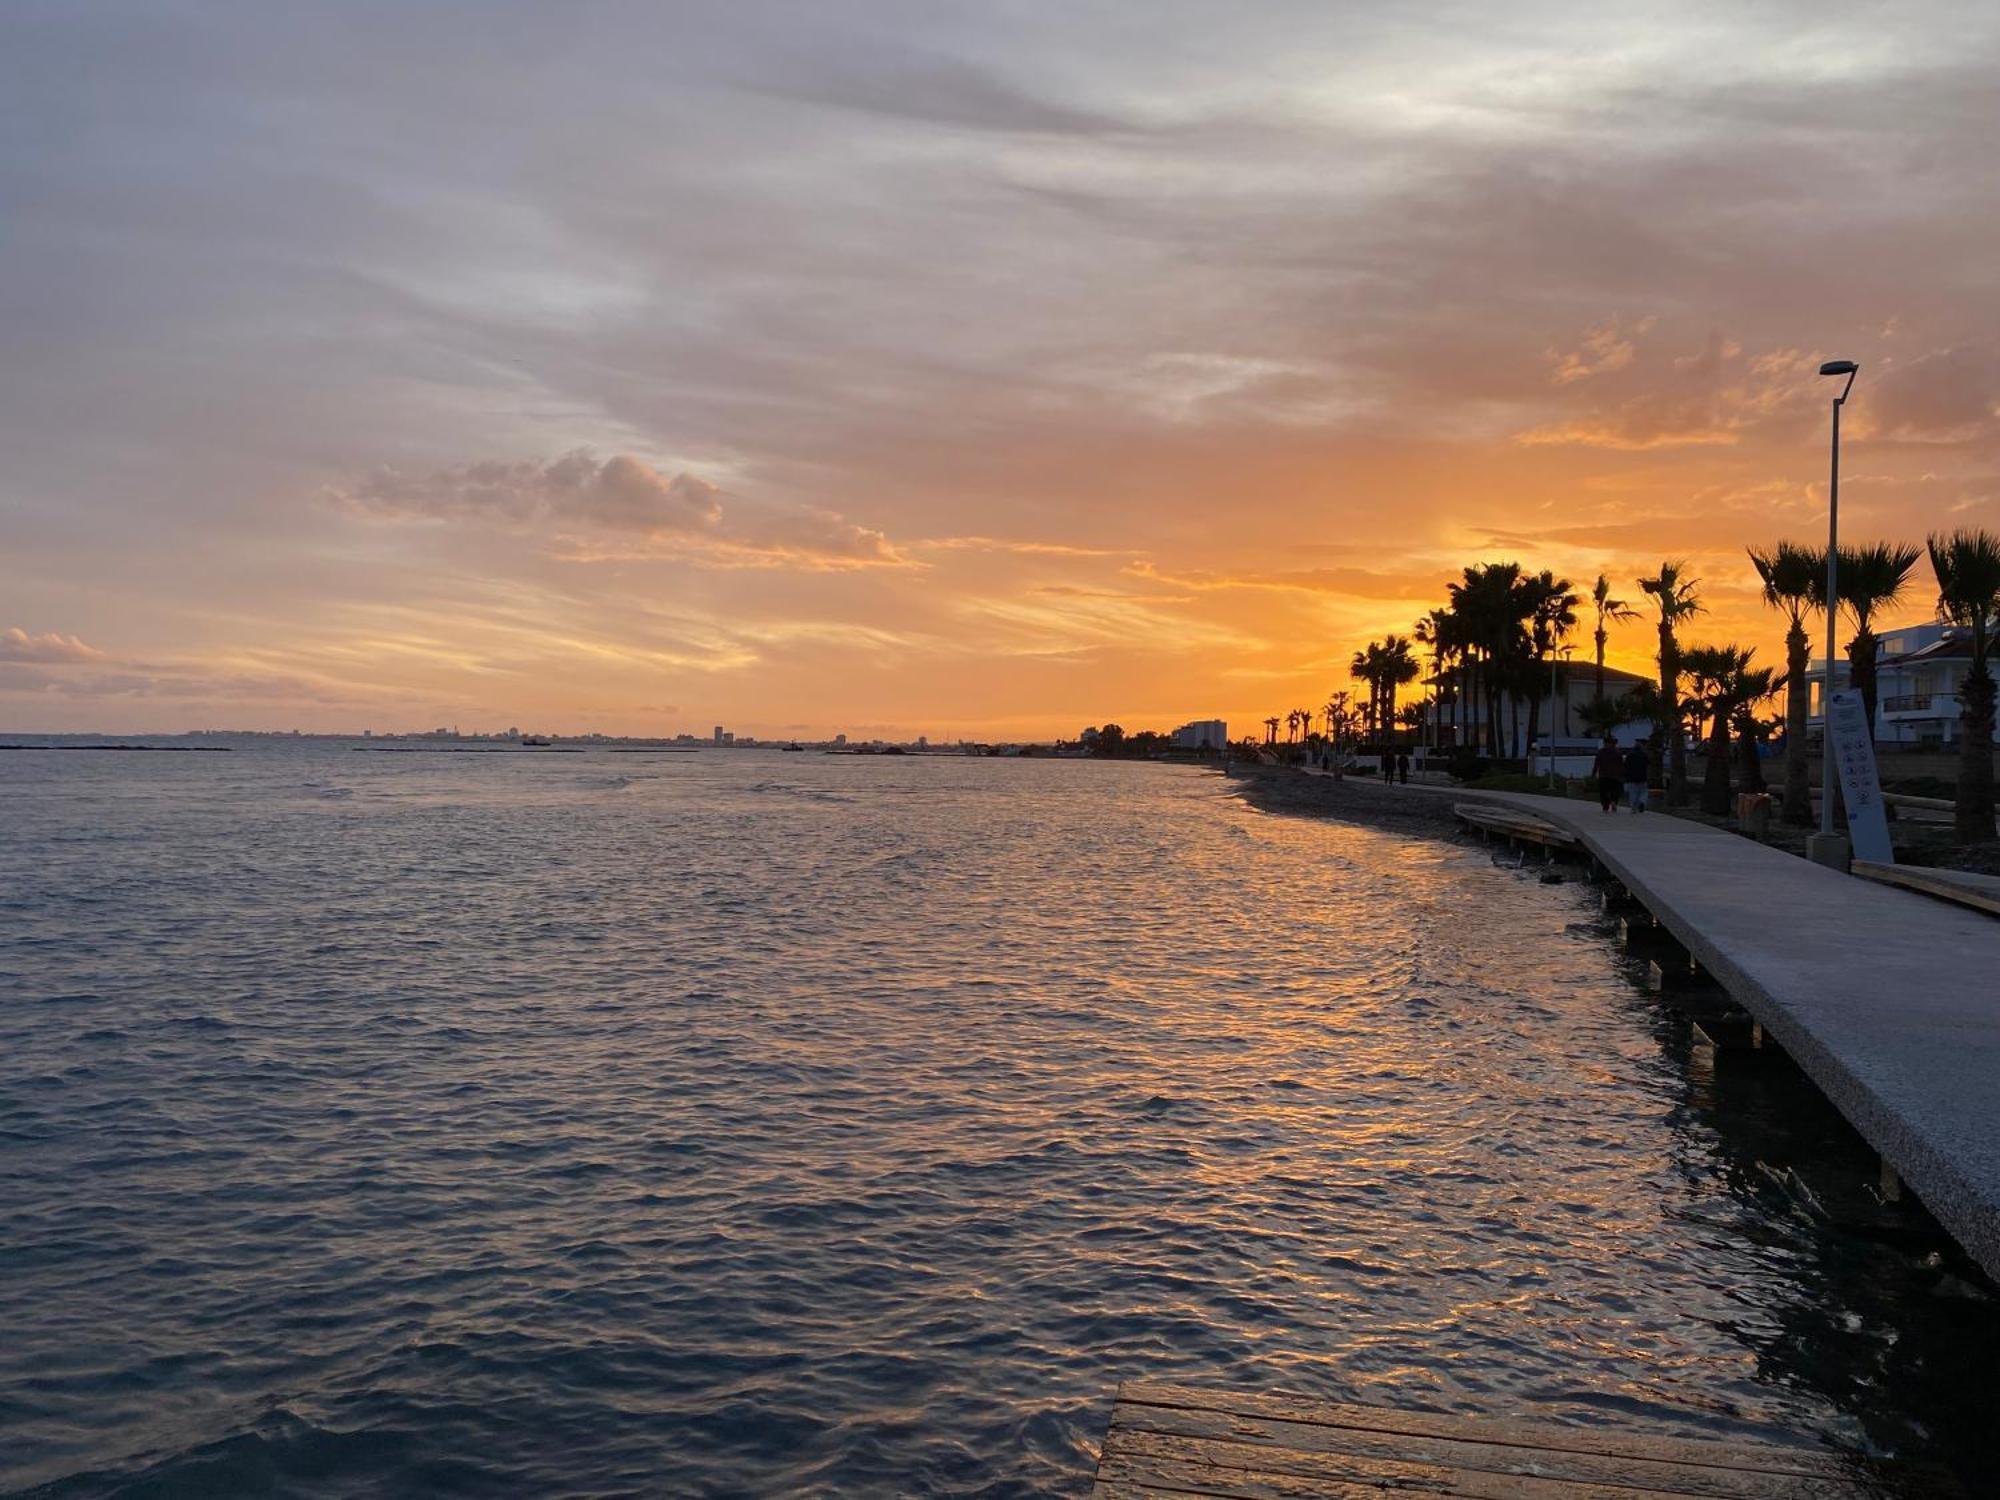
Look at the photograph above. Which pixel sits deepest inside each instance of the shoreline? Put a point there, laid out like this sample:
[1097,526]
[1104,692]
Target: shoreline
[1285,790]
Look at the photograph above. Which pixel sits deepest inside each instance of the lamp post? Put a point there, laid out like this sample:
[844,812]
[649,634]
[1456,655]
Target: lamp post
[1850,369]
[1565,652]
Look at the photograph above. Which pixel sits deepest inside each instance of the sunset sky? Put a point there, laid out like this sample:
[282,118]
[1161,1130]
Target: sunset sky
[986,369]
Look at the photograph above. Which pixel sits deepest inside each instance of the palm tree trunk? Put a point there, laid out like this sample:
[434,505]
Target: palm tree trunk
[1601,637]
[1798,704]
[1749,770]
[1656,753]
[1670,685]
[1972,821]
[1861,663]
[1715,775]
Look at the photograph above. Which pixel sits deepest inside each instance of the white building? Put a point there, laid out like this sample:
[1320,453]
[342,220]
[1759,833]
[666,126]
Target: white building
[1450,722]
[1201,734]
[1918,671]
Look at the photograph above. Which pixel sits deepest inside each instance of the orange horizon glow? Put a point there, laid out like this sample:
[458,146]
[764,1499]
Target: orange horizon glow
[982,383]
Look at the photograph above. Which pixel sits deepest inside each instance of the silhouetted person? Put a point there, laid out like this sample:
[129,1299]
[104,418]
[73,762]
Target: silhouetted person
[1403,767]
[1609,768]
[1637,767]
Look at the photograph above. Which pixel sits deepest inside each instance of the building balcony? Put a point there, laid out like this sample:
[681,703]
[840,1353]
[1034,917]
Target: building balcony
[1920,706]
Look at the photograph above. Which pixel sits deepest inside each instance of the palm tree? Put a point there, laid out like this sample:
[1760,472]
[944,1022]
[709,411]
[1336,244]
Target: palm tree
[1339,720]
[1674,595]
[1271,730]
[1600,716]
[1642,702]
[1608,609]
[1551,615]
[1721,679]
[1487,604]
[1757,684]
[1871,578]
[1795,582]
[1438,631]
[1367,667]
[1399,665]
[1967,564]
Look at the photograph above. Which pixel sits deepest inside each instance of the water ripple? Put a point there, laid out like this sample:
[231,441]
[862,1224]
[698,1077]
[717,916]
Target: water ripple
[845,1128]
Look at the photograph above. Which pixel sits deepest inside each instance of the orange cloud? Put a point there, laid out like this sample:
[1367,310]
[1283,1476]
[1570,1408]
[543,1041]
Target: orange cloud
[51,648]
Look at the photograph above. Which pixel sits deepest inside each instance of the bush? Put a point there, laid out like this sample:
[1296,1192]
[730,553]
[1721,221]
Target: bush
[1519,781]
[1467,765]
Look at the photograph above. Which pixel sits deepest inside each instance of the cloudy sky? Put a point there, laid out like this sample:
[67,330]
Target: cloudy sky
[985,369]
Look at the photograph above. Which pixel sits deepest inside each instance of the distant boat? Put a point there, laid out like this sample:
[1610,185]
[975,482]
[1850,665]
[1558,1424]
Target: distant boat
[795,748]
[534,739]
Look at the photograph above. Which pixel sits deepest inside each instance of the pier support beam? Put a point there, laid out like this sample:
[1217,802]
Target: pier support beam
[1888,1185]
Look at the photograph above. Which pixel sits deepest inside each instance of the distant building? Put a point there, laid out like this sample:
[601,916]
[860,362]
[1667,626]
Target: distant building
[840,739]
[1918,672]
[1201,734]
[923,742]
[727,738]
[718,734]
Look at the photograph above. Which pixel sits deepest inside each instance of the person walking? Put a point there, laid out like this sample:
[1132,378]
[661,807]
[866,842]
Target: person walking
[1609,768]
[1637,764]
[1403,767]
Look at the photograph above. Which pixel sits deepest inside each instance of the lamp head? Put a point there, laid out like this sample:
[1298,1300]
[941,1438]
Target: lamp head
[1839,367]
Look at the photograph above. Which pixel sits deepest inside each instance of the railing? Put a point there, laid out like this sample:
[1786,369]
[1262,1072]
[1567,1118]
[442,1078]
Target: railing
[1907,703]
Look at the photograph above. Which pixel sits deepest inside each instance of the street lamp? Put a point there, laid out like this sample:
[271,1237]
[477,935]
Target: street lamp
[1850,369]
[1566,650]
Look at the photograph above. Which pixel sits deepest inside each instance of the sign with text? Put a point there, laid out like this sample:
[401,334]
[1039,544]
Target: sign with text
[1851,743]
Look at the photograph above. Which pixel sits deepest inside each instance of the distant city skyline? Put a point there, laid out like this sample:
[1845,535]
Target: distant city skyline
[966,372]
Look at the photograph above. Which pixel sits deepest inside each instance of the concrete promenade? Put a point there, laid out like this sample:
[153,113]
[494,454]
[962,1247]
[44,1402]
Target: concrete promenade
[1889,1000]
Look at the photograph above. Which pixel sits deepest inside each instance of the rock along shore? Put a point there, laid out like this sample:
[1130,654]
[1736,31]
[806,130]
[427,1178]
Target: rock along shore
[1280,789]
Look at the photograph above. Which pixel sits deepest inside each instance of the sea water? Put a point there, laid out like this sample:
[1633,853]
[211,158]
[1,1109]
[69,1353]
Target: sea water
[745,1123]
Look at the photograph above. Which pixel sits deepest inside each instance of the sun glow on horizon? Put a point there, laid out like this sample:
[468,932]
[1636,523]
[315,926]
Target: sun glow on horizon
[989,379]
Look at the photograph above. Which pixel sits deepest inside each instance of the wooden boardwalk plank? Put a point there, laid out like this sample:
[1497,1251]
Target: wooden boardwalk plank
[1980,892]
[1169,1439]
[1132,1450]
[1762,1458]
[1515,825]
[1574,1473]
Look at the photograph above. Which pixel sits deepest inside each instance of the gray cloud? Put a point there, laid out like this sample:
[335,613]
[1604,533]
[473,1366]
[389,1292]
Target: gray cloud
[1087,279]
[1949,396]
[619,509]
[620,494]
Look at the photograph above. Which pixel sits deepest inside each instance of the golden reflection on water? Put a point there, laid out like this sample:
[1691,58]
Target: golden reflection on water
[797,1121]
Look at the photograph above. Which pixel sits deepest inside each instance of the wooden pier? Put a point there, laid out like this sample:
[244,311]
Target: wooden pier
[1172,1440]
[1515,827]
